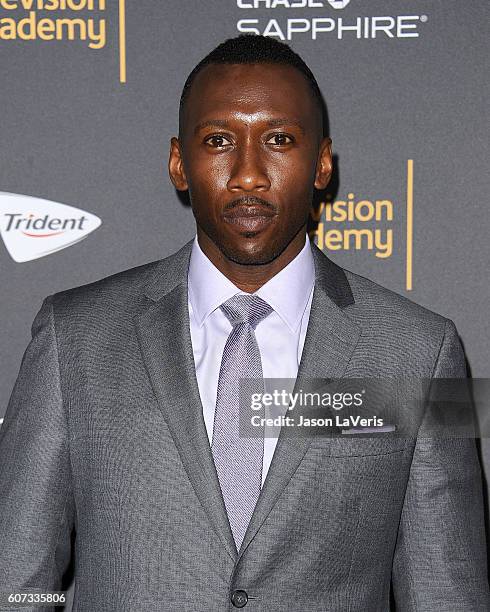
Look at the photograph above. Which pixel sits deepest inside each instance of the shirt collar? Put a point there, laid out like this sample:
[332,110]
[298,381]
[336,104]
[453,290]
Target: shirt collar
[287,292]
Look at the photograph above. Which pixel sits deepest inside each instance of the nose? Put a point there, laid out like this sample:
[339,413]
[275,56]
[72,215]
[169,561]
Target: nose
[249,172]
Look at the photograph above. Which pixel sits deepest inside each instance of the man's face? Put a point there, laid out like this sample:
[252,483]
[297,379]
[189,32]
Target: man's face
[250,153]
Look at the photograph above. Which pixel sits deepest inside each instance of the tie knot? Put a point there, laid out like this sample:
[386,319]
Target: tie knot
[246,309]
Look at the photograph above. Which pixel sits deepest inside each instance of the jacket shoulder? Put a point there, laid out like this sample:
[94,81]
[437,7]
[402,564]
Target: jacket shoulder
[125,289]
[401,337]
[395,322]
[385,304]
[111,290]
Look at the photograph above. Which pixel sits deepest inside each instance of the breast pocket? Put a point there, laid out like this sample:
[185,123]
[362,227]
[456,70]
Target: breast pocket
[349,445]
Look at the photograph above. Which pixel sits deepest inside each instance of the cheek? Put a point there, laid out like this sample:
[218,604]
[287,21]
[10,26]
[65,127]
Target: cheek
[296,173]
[208,174]
[294,191]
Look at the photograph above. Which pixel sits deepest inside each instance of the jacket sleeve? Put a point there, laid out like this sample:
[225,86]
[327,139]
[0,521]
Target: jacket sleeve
[440,556]
[36,502]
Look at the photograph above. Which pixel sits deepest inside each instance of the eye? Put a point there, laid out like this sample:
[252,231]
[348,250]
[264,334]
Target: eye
[217,141]
[280,140]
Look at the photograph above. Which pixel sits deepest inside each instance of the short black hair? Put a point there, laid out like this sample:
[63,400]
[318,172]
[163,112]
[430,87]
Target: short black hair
[254,49]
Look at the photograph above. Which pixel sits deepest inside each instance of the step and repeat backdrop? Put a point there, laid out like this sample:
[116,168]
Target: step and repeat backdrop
[89,93]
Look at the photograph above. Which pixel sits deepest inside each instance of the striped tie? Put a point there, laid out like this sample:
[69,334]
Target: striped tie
[238,460]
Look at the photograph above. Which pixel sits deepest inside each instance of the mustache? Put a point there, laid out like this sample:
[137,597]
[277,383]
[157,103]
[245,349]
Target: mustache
[249,201]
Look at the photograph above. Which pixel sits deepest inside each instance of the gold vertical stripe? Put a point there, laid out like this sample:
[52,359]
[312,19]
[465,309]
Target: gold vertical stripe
[122,41]
[409,276]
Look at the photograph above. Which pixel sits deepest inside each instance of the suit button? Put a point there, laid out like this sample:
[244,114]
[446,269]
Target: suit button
[239,599]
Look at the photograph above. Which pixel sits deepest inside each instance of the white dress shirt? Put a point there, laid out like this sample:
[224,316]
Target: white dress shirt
[280,336]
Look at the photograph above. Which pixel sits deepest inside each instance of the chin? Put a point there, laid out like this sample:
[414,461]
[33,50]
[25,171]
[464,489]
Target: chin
[253,256]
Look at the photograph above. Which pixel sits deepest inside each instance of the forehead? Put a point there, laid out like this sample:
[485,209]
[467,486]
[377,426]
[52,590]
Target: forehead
[221,89]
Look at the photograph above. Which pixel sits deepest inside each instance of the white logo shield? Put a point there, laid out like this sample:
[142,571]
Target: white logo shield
[32,227]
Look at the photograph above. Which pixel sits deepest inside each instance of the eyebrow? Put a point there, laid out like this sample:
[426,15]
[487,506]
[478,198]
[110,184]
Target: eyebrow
[210,123]
[286,121]
[271,123]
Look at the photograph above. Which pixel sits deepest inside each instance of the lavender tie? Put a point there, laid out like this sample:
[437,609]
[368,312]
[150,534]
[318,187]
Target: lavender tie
[238,460]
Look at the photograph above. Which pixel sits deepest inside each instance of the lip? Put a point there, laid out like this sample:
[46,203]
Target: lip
[249,218]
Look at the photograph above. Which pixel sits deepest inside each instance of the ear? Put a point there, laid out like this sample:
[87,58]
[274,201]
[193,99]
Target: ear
[324,164]
[176,166]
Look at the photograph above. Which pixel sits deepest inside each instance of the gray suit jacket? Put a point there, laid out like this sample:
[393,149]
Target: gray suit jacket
[104,433]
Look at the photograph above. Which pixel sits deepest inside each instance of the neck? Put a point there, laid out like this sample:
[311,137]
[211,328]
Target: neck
[248,277]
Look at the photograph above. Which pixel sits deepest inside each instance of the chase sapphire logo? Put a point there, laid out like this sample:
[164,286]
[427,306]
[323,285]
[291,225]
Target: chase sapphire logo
[338,4]
[317,19]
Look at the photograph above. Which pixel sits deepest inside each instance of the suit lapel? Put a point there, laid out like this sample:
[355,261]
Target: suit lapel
[330,341]
[165,342]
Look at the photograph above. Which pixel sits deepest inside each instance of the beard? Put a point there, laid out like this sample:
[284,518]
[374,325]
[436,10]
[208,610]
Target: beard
[259,256]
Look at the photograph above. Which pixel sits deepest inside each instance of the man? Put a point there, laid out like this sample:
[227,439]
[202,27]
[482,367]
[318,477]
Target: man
[123,424]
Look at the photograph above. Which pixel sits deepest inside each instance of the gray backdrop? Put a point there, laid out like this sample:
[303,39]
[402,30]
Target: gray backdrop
[72,132]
